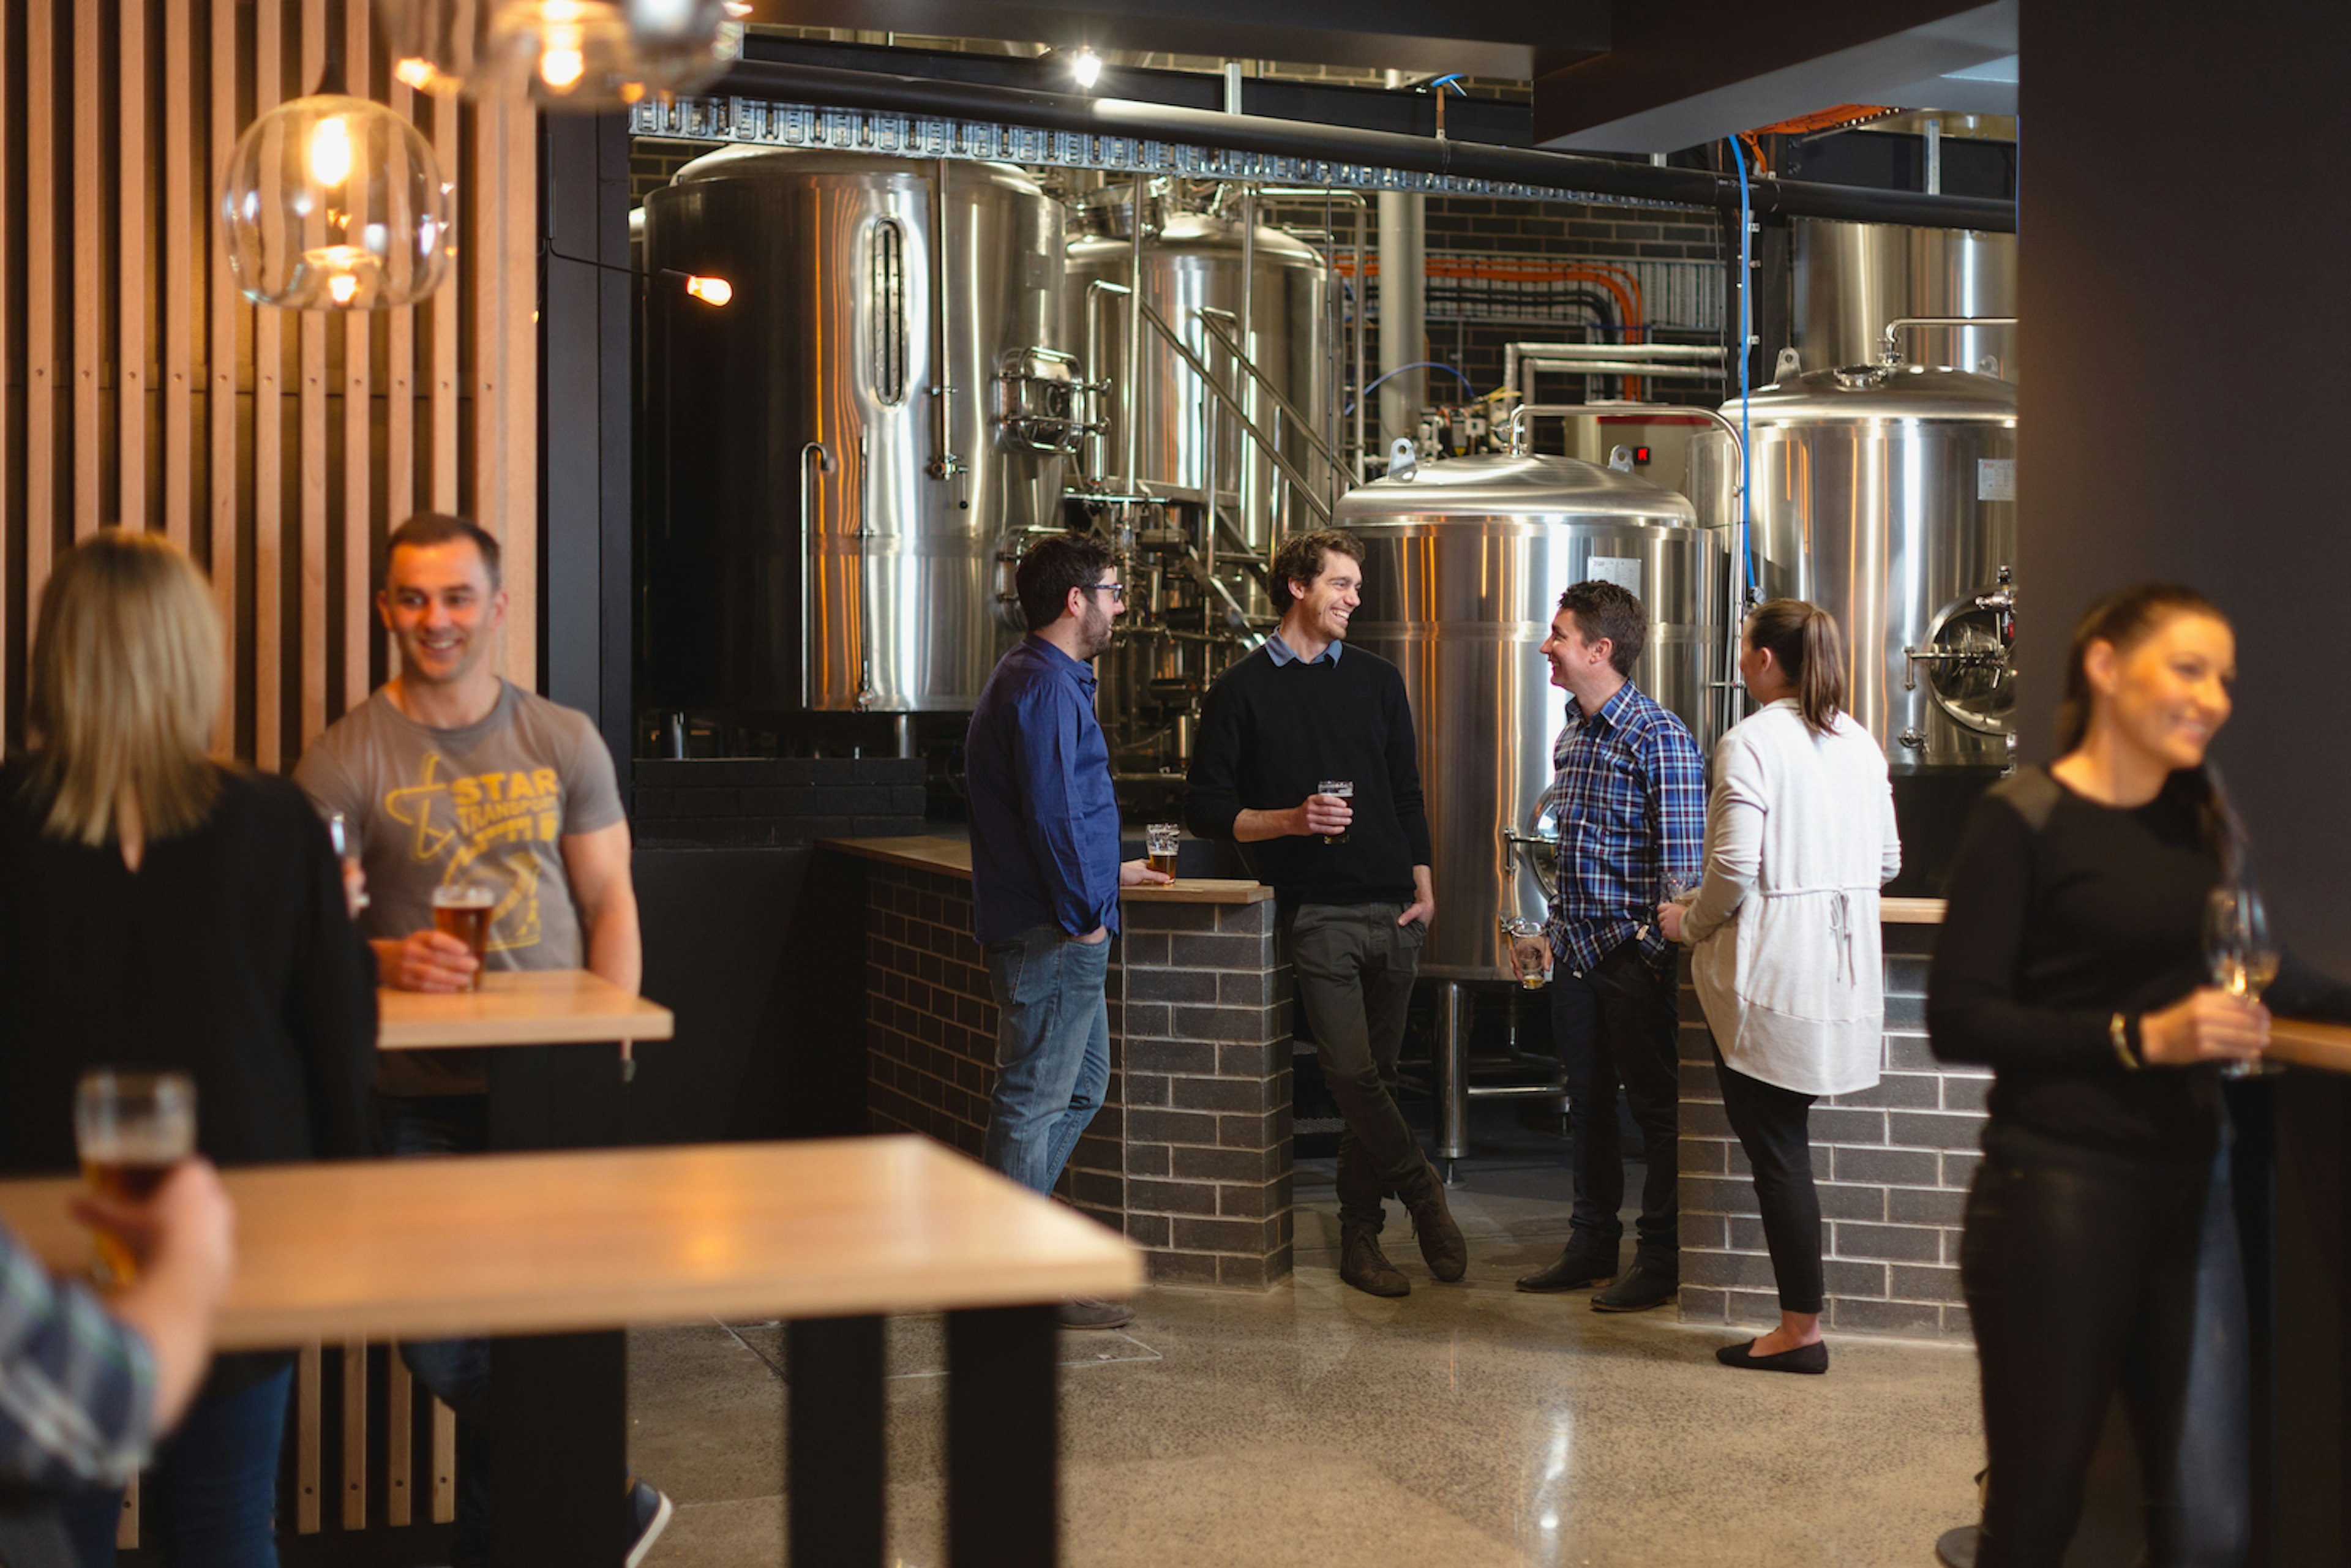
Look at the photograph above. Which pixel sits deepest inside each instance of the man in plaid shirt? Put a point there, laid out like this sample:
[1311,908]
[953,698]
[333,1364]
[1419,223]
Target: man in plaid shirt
[86,1386]
[1629,798]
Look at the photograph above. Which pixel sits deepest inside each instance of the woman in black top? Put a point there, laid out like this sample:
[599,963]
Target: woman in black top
[157,909]
[2071,962]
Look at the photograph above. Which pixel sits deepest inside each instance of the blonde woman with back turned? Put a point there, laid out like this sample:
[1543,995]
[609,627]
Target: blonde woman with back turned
[1785,930]
[159,909]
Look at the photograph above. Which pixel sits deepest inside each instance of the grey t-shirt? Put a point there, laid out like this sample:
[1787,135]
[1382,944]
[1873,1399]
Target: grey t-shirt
[489,803]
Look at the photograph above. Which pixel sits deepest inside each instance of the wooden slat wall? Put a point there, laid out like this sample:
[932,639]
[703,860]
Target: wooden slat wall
[279,447]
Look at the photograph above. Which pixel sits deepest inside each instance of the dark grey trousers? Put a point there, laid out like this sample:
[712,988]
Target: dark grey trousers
[1355,968]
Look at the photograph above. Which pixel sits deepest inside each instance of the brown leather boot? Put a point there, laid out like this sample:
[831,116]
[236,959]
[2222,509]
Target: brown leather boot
[1441,1240]
[1363,1265]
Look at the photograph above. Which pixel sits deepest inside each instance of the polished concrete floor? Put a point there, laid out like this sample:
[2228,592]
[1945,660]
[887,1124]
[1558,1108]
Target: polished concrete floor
[1463,1426]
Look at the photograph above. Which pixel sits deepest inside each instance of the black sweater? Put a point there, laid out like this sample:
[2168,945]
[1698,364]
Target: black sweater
[2050,934]
[228,954]
[1271,733]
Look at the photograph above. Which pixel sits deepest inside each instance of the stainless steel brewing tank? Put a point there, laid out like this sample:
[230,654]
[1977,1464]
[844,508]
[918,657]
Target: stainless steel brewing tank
[825,495]
[1888,496]
[1853,278]
[1465,563]
[1191,262]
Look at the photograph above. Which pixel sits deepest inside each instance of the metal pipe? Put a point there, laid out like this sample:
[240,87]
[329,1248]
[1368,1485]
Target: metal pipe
[808,556]
[1183,352]
[1890,352]
[1101,379]
[1133,412]
[1249,315]
[1574,174]
[901,732]
[1450,1073]
[1611,366]
[944,464]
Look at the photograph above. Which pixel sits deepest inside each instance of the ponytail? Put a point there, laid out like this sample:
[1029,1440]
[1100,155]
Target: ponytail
[1802,641]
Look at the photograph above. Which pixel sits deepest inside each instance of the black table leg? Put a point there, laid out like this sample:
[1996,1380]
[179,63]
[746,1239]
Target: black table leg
[558,1421]
[558,1450]
[1003,1428]
[832,1441]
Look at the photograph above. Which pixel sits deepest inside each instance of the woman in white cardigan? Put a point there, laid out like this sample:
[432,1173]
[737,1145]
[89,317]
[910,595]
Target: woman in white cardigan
[1800,837]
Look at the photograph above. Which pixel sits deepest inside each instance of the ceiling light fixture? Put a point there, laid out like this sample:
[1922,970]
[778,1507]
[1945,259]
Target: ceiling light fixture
[1086,66]
[588,55]
[333,202]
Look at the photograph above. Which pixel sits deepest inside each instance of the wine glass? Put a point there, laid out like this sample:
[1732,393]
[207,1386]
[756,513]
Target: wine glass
[2241,953]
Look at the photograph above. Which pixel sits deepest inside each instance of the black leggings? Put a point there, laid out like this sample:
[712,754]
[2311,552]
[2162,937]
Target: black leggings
[2090,1274]
[1770,1124]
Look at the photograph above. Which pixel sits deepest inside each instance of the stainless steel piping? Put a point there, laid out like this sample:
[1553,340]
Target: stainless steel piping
[1100,377]
[1305,426]
[1133,434]
[1890,352]
[1183,351]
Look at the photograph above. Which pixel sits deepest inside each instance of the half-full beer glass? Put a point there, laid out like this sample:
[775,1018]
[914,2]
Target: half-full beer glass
[463,910]
[1160,839]
[129,1129]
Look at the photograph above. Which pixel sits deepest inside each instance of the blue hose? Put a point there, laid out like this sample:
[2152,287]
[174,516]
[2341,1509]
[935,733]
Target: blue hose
[1746,335]
[1418,365]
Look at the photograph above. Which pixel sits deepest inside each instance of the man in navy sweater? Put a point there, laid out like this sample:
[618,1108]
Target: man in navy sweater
[1045,871]
[1351,874]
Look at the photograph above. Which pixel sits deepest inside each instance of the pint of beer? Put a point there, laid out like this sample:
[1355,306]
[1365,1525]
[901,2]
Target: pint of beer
[1160,839]
[131,1128]
[463,910]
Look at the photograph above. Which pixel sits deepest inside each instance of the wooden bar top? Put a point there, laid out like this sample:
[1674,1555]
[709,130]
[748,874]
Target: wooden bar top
[1910,911]
[2325,1046]
[505,1244]
[518,1007]
[952,857]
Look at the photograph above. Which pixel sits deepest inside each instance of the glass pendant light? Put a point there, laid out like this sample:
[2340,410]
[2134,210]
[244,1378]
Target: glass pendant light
[335,203]
[586,55]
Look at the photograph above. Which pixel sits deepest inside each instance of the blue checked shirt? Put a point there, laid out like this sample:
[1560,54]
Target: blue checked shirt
[1628,793]
[77,1388]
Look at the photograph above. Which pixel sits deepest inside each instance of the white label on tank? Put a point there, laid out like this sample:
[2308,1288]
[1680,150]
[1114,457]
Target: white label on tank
[1625,571]
[1995,478]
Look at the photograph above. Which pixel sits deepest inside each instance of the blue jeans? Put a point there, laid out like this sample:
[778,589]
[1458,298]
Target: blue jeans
[210,1501]
[1052,1051]
[455,1371]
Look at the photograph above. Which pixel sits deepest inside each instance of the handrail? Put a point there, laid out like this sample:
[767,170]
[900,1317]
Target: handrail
[809,565]
[1305,426]
[1183,351]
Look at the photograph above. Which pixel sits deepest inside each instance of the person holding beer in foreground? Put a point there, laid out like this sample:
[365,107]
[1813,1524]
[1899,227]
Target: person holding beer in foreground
[1786,956]
[85,1384]
[160,909]
[1310,760]
[488,822]
[1045,871]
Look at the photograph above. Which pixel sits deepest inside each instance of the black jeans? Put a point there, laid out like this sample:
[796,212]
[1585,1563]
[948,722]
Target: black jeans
[1616,1026]
[1770,1124]
[2090,1273]
[1355,968]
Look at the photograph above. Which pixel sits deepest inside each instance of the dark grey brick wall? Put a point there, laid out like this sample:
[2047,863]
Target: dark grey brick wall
[1892,1162]
[784,803]
[1190,1154]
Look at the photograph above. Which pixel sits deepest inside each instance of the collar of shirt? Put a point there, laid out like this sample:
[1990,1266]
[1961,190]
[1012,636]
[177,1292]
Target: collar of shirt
[1609,715]
[1282,652]
[1053,658]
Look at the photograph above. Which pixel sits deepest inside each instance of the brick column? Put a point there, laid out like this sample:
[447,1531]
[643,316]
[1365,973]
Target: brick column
[1892,1164]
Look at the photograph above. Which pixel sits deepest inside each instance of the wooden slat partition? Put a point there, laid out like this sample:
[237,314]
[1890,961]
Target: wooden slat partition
[278,447]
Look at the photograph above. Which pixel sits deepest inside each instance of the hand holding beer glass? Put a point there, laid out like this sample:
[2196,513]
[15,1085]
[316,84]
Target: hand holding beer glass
[461,911]
[1343,791]
[1529,953]
[1160,839]
[129,1129]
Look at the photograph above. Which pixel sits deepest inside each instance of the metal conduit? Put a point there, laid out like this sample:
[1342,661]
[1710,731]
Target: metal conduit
[1565,172]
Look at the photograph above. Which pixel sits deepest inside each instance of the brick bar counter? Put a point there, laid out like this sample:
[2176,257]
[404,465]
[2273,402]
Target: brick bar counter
[1190,1154]
[1893,1165]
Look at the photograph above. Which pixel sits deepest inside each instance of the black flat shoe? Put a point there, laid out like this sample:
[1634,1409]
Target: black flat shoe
[1812,1358]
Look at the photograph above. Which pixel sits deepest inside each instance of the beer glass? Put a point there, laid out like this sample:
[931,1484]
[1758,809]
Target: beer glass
[1160,839]
[338,833]
[463,910]
[1344,788]
[1522,928]
[129,1129]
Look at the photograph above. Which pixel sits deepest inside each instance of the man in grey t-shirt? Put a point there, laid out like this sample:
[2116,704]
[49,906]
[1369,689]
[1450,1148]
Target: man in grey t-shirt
[447,776]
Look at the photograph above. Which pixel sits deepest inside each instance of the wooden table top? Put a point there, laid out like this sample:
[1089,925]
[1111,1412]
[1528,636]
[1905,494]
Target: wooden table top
[952,857]
[549,1243]
[519,1007]
[2325,1046]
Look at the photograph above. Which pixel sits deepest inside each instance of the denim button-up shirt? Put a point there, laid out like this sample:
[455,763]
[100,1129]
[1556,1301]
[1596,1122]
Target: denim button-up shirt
[1044,821]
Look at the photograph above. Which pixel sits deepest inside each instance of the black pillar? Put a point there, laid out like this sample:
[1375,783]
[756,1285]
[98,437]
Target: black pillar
[584,397]
[2171,153]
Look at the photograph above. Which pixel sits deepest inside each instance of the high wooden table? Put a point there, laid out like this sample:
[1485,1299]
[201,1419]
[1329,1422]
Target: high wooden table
[833,1235]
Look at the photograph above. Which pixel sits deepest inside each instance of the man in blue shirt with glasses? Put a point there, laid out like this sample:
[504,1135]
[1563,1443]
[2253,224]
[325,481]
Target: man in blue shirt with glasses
[1045,871]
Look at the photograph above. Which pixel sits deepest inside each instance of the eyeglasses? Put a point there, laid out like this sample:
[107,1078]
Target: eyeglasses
[1115,589]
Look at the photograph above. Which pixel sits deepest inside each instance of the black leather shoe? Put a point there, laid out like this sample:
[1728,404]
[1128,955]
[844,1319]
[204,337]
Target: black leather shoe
[1637,1291]
[1363,1265]
[1441,1244]
[1576,1269]
[1812,1358]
